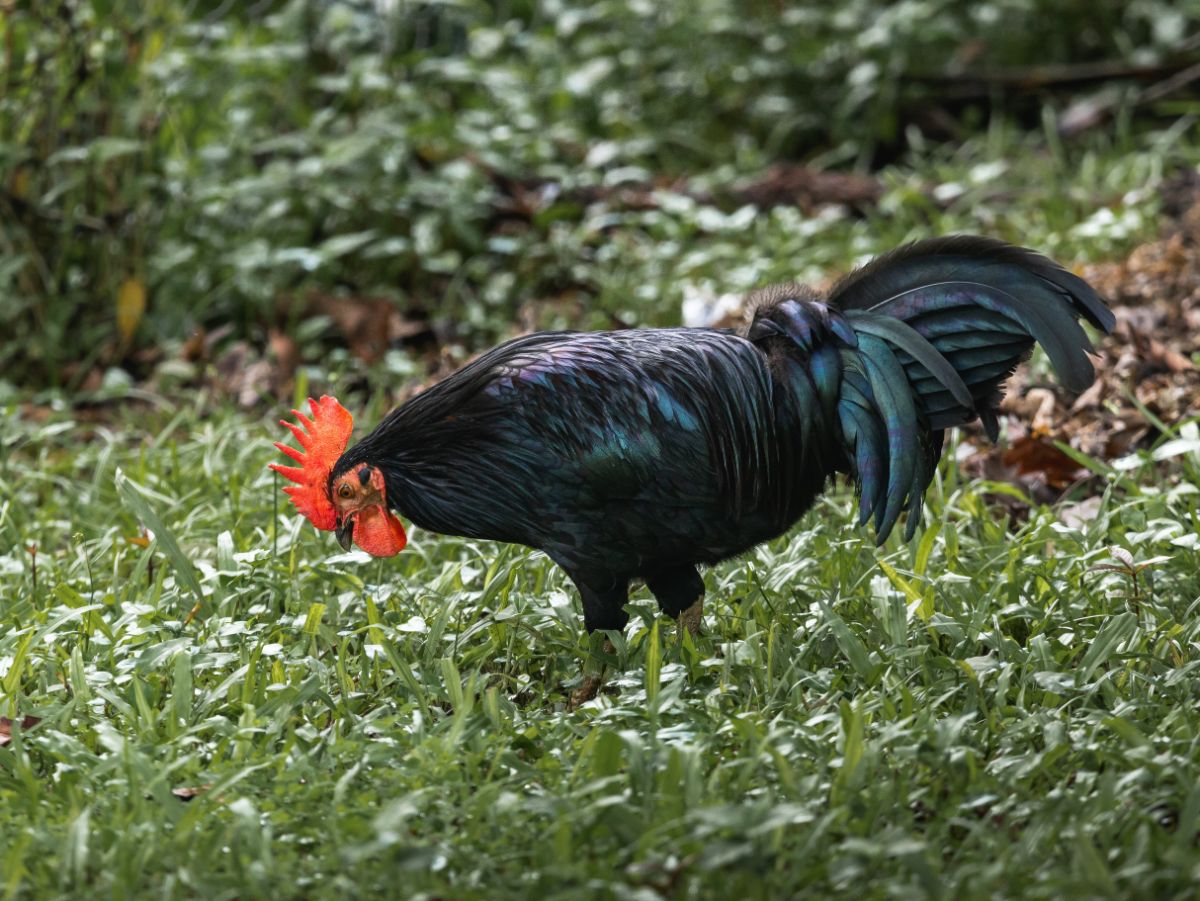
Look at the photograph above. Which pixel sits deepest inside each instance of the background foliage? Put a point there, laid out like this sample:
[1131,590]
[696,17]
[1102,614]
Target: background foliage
[220,159]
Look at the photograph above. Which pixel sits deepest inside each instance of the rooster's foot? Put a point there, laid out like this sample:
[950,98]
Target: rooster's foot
[691,617]
[592,682]
[587,690]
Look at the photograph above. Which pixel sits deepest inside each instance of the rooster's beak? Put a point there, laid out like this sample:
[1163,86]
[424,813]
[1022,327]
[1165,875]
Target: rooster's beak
[345,533]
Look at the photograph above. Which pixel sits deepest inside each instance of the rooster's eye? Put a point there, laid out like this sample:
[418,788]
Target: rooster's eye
[345,491]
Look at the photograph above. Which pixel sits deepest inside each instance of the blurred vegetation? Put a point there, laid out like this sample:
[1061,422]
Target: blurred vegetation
[165,166]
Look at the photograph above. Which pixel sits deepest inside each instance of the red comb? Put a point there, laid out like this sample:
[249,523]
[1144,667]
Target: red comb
[323,438]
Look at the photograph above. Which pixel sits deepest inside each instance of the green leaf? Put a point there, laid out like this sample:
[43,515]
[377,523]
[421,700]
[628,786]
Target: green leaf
[375,634]
[312,622]
[181,688]
[853,749]
[1128,731]
[340,245]
[854,729]
[452,679]
[131,494]
[851,644]
[922,601]
[12,678]
[925,549]
[102,150]
[1111,634]
[1090,866]
[607,752]
[653,663]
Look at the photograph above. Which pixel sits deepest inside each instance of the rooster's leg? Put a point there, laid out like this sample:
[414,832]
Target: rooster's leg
[602,610]
[593,672]
[680,594]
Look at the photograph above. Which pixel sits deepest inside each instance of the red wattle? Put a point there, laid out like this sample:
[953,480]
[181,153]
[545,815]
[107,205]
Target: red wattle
[378,532]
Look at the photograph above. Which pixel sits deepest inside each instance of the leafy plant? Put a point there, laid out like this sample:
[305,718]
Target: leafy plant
[164,167]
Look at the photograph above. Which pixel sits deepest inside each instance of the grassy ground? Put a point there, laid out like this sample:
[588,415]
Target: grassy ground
[997,708]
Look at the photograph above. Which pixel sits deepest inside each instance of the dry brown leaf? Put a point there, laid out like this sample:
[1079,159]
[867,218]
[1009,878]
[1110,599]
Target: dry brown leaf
[36,412]
[286,354]
[1043,416]
[1164,357]
[794,184]
[1032,455]
[368,325]
[363,322]
[1091,397]
[245,376]
[194,347]
[186,793]
[27,722]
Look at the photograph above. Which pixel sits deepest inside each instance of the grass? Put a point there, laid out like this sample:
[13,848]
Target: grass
[998,708]
[368,728]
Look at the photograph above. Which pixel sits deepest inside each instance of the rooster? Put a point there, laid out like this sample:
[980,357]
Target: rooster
[646,453]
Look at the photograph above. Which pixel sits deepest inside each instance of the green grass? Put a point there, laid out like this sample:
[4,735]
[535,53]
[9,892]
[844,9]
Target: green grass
[399,726]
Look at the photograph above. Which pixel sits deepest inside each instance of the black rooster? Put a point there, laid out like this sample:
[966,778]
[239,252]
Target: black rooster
[646,452]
